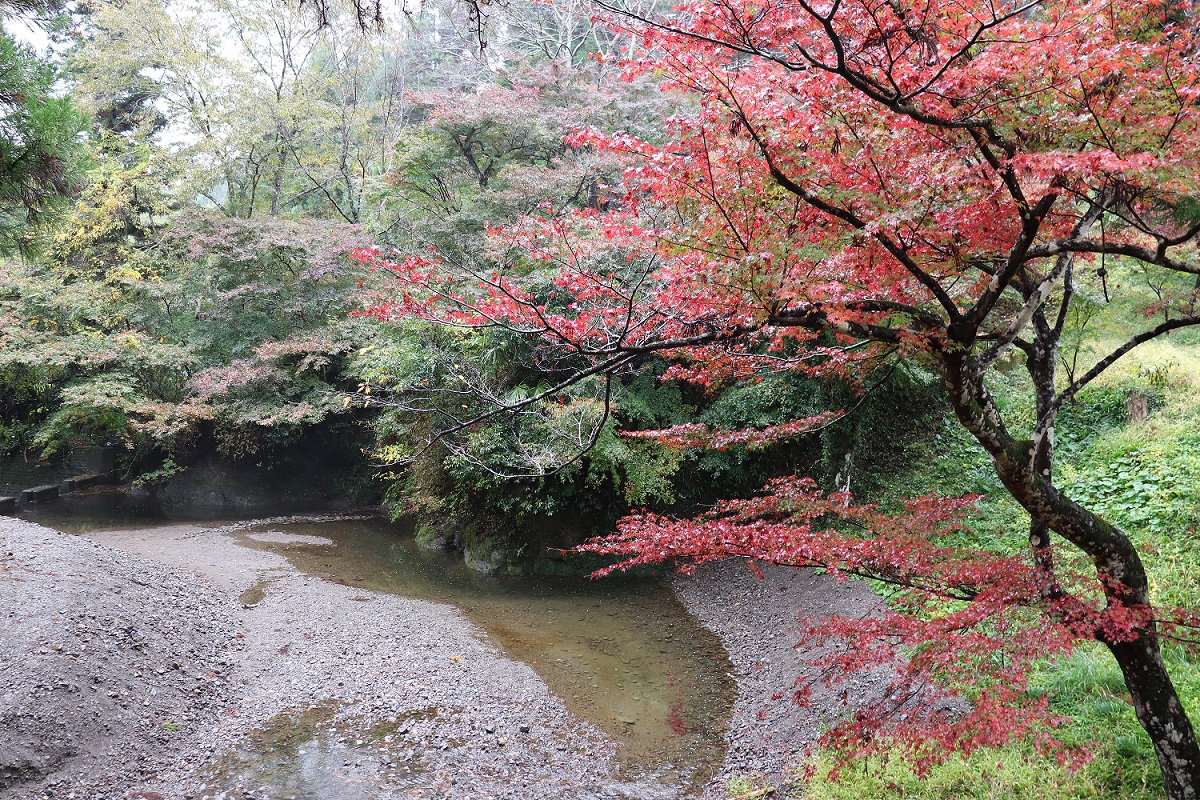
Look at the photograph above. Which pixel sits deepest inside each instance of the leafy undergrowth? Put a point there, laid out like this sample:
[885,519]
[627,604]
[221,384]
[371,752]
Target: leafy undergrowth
[1144,476]
[1087,687]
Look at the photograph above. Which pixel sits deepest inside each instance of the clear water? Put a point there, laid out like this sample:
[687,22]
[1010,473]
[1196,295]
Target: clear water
[622,653]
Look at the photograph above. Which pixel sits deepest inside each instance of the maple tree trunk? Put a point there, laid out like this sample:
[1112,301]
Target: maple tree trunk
[1161,714]
[1155,699]
[1024,469]
[1041,363]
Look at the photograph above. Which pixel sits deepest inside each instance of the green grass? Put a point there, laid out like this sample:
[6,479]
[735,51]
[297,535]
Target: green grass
[1001,774]
[1143,476]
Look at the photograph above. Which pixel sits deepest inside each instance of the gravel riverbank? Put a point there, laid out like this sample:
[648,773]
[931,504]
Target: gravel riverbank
[756,619]
[174,663]
[98,651]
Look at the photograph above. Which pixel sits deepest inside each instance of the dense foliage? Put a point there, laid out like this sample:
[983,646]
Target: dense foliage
[593,292]
[39,148]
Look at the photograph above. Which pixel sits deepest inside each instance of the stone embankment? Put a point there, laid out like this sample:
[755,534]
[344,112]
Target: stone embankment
[23,483]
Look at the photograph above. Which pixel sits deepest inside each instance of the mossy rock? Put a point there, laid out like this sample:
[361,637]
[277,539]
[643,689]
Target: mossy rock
[438,535]
[489,556]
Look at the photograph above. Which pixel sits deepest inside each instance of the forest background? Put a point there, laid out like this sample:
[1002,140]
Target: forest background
[182,187]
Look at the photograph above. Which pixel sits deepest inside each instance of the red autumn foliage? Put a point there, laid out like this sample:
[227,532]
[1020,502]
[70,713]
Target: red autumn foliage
[863,180]
[957,611]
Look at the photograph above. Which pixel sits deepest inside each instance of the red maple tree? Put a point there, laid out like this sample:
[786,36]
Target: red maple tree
[864,179]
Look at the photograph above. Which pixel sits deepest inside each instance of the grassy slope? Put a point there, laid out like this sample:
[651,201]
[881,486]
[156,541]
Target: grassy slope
[1146,477]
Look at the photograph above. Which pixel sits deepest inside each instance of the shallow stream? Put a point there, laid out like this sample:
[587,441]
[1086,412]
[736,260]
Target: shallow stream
[621,652]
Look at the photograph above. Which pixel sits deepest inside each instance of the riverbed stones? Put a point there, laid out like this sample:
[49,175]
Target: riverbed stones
[94,621]
[83,633]
[440,534]
[485,557]
[279,537]
[308,643]
[757,616]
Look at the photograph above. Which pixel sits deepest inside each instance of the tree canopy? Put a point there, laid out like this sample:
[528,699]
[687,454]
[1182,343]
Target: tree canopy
[863,181]
[39,139]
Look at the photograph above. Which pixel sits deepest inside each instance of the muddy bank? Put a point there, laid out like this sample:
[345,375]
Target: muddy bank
[291,686]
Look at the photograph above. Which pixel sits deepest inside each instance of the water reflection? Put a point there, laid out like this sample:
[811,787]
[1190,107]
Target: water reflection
[103,508]
[113,508]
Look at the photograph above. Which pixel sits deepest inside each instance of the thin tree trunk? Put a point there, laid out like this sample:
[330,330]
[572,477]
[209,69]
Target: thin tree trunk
[277,179]
[1162,715]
